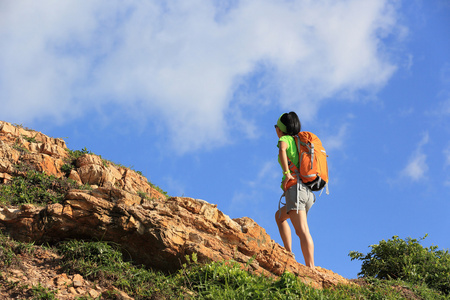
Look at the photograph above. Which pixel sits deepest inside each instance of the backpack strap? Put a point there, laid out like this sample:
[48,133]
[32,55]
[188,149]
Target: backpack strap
[310,147]
[279,205]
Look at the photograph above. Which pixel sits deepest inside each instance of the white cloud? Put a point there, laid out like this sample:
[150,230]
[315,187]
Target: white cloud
[264,178]
[337,141]
[417,166]
[181,62]
[405,112]
[267,173]
[175,188]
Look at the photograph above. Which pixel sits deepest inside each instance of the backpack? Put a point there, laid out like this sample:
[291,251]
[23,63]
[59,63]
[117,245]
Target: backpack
[312,162]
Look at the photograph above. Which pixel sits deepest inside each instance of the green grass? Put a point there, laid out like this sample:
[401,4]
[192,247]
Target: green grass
[36,188]
[104,264]
[227,280]
[40,292]
[217,280]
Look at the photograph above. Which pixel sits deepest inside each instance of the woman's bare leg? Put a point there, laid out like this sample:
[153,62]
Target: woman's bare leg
[299,221]
[283,227]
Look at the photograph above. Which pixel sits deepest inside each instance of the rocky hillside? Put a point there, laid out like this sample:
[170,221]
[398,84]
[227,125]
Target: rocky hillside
[121,206]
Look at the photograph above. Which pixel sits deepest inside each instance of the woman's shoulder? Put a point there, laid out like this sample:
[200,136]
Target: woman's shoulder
[287,139]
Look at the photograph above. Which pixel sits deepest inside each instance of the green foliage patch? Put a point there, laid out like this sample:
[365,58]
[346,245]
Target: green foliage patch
[75,154]
[227,280]
[36,188]
[103,263]
[31,139]
[10,251]
[41,292]
[407,260]
[159,189]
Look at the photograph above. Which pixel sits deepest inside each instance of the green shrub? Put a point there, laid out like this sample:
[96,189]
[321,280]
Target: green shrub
[30,139]
[67,168]
[159,189]
[407,260]
[74,154]
[35,187]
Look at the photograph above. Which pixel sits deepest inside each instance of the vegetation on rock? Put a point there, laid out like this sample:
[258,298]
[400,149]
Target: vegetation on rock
[409,261]
[106,266]
[36,188]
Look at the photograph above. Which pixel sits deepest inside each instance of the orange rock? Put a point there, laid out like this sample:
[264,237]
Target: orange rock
[78,280]
[61,280]
[75,177]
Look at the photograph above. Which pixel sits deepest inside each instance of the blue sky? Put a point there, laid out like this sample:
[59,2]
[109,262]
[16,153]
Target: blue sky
[187,92]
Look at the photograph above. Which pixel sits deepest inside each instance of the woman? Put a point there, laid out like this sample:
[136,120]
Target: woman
[299,198]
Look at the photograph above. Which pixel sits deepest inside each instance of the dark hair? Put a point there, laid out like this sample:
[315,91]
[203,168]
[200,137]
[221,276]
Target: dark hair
[292,122]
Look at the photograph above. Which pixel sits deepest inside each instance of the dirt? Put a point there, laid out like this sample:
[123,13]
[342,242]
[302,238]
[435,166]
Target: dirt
[40,273]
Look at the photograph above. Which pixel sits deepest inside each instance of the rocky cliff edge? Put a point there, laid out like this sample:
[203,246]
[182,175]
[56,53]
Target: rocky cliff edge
[123,207]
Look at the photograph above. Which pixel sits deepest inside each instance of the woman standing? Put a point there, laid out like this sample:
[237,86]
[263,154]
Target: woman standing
[299,197]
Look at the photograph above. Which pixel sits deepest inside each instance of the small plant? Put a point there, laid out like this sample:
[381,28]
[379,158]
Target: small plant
[132,168]
[41,292]
[143,195]
[159,189]
[67,168]
[86,187]
[23,168]
[31,139]
[20,148]
[7,255]
[11,250]
[105,163]
[78,153]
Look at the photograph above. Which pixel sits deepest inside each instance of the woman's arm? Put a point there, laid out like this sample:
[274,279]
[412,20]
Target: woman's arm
[284,162]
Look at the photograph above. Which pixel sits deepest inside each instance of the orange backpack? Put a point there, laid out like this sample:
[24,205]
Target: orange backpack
[312,162]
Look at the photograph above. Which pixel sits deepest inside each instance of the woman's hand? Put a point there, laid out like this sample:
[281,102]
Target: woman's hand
[288,178]
[284,163]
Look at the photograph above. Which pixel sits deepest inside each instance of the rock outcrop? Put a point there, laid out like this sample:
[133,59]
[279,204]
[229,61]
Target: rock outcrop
[124,208]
